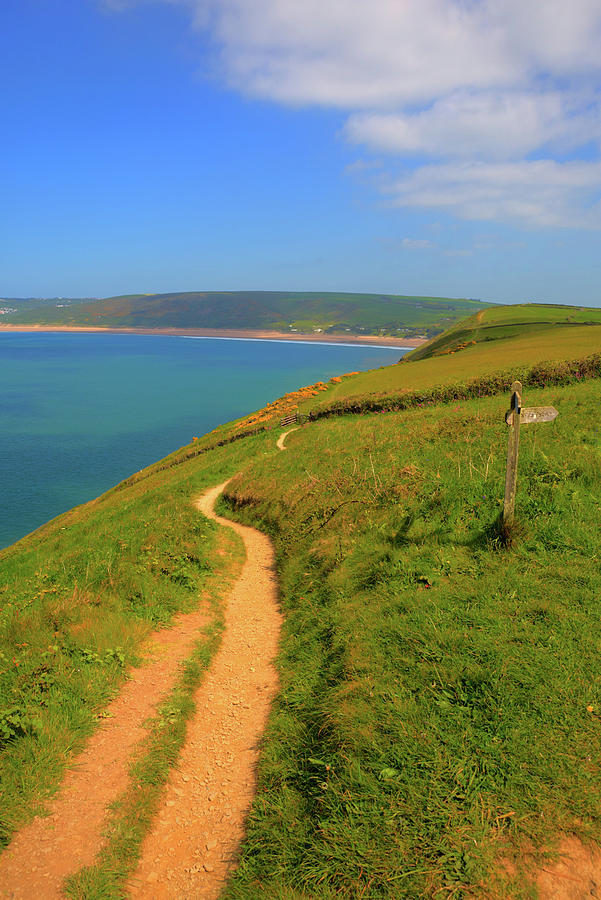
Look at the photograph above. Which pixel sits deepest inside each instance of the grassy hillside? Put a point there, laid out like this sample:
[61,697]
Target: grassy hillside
[390,385]
[437,729]
[22,304]
[281,311]
[502,322]
[507,355]
[13,307]
[440,696]
[78,599]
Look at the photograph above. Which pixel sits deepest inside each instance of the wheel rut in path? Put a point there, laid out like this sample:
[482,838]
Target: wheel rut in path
[194,842]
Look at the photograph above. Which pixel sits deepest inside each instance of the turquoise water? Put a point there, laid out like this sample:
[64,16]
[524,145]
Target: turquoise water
[80,412]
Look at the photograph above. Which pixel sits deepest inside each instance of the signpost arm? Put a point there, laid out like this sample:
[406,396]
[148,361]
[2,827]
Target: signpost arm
[512,452]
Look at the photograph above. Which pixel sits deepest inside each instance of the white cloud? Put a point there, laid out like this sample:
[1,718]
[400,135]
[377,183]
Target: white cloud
[384,53]
[488,125]
[542,192]
[416,244]
[485,83]
[355,53]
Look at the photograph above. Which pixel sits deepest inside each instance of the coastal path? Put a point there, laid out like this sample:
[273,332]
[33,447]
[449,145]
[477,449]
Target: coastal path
[192,847]
[197,832]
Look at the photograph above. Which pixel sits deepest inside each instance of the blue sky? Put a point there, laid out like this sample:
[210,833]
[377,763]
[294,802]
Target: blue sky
[438,147]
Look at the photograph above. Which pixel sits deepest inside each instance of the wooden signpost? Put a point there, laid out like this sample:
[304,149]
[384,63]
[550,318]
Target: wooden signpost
[514,417]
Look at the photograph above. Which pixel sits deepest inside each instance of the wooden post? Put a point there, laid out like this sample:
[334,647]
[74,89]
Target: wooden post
[514,417]
[513,446]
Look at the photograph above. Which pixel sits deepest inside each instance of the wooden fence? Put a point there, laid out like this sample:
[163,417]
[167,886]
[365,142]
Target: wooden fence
[293,419]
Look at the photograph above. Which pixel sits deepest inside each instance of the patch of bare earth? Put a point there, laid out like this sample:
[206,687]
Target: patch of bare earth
[572,872]
[193,846]
[576,875]
[52,847]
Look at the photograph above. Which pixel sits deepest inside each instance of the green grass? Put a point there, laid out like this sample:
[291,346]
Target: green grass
[505,356]
[541,375]
[278,310]
[501,322]
[433,713]
[78,599]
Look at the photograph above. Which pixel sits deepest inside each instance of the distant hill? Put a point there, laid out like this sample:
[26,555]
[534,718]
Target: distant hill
[500,322]
[282,311]
[27,304]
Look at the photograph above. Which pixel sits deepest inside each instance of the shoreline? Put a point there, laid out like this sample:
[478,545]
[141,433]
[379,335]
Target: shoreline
[259,334]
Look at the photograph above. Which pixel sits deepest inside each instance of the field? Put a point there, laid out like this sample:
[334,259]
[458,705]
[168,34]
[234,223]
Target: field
[279,311]
[476,360]
[437,729]
[539,321]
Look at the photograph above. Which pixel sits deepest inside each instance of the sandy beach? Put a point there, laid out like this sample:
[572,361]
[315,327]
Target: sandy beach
[230,333]
[401,343]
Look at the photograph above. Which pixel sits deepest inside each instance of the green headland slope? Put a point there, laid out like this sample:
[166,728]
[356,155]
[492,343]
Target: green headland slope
[438,726]
[502,322]
[274,310]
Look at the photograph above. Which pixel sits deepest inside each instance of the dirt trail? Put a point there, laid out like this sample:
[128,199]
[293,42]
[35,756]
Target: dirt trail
[198,829]
[48,849]
[282,438]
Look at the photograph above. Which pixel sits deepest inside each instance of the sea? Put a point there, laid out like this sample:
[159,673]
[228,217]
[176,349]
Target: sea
[79,412]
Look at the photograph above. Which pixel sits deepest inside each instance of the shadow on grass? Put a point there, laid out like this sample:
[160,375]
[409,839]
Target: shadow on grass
[497,535]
